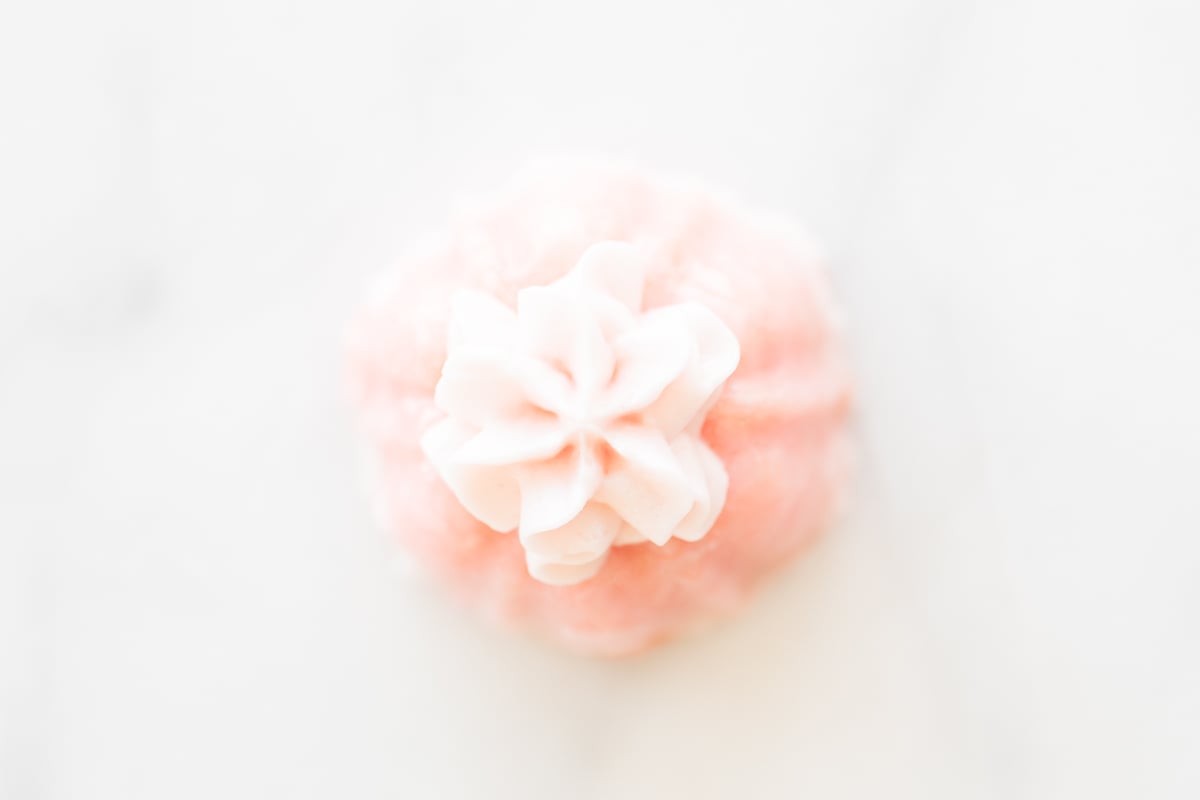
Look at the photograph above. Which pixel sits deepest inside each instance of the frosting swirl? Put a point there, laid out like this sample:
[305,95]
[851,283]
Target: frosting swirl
[576,418]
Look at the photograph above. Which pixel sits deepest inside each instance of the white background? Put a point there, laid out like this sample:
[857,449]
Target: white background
[194,602]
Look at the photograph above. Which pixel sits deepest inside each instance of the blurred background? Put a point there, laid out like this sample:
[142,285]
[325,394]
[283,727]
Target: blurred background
[194,602]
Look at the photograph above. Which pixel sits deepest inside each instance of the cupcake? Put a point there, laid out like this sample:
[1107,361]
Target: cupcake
[603,405]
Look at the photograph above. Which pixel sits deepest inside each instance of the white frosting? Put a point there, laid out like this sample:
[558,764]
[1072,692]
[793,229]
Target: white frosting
[576,420]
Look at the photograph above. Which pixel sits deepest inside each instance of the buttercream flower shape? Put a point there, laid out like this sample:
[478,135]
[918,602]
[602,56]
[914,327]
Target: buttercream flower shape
[575,419]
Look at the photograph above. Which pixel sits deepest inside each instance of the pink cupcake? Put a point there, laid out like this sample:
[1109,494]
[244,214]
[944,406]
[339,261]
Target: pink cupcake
[605,405]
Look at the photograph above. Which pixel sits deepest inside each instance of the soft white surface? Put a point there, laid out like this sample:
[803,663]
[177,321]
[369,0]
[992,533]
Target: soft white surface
[193,601]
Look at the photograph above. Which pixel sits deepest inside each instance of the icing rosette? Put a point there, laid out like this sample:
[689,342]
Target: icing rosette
[576,418]
[604,405]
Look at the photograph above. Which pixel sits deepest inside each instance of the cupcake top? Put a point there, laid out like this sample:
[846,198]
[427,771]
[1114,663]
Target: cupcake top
[603,405]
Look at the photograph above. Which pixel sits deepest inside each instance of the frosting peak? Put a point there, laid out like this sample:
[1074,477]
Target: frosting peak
[576,419]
